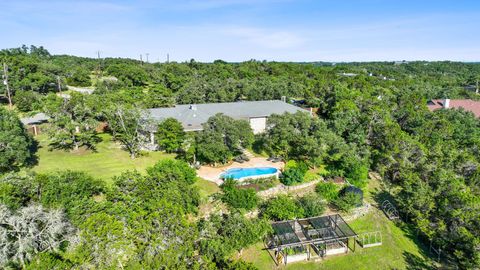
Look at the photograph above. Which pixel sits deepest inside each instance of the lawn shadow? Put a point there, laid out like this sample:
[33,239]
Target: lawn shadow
[33,159]
[415,262]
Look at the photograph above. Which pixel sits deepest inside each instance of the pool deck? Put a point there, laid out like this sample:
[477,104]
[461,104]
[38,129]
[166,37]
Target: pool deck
[213,174]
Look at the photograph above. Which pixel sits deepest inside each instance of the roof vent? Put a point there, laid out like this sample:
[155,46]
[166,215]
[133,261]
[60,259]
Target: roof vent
[193,107]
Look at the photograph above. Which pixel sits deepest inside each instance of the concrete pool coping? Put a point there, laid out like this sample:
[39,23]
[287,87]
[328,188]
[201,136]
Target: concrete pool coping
[213,174]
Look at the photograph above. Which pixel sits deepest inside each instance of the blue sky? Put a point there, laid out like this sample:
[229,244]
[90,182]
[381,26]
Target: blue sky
[236,30]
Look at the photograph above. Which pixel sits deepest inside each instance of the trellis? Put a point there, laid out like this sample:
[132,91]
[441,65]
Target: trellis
[370,239]
[390,210]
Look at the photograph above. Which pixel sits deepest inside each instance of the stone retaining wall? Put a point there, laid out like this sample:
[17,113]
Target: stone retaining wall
[283,189]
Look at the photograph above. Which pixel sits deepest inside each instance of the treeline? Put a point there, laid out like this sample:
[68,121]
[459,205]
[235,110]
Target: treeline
[371,117]
[34,72]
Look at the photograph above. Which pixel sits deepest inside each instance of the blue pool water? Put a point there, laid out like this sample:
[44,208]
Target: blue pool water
[238,173]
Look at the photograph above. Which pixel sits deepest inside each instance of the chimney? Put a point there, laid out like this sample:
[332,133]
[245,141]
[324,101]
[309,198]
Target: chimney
[446,103]
[284,98]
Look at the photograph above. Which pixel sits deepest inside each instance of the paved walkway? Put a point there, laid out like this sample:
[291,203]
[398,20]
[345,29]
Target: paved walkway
[213,174]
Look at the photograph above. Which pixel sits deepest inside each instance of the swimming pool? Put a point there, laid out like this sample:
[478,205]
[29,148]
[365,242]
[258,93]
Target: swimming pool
[243,173]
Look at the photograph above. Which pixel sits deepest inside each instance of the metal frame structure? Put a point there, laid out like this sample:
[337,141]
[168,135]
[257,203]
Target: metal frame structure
[390,210]
[314,237]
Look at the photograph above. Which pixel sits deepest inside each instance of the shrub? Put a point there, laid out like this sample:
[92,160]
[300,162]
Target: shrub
[358,176]
[281,208]
[347,201]
[26,101]
[310,176]
[292,176]
[327,190]
[300,165]
[238,198]
[312,204]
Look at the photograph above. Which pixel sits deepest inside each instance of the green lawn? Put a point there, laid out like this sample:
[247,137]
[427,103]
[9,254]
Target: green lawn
[206,188]
[108,160]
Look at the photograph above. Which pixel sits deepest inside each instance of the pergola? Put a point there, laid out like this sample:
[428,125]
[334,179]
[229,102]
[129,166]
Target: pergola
[309,238]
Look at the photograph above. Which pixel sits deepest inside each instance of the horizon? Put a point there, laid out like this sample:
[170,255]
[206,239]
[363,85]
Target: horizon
[237,31]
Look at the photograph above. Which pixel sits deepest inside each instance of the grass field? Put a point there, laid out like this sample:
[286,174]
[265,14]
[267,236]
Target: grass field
[107,161]
[400,249]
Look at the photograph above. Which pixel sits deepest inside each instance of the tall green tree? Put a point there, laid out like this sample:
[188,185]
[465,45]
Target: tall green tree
[222,137]
[170,135]
[73,123]
[129,126]
[15,143]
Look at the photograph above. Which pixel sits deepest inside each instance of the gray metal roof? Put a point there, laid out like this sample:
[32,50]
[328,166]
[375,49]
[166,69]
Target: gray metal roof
[36,119]
[193,116]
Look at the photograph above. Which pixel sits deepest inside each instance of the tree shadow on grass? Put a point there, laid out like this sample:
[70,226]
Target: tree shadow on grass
[415,262]
[33,159]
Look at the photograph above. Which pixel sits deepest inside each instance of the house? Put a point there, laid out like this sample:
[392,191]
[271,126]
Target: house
[255,112]
[32,123]
[466,104]
[192,116]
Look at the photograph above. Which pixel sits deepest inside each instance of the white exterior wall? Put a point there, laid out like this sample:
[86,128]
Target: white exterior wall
[258,124]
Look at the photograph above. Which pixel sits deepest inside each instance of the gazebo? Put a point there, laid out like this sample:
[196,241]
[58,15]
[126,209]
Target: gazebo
[309,238]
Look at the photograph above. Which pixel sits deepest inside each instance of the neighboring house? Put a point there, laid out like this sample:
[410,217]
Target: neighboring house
[466,104]
[193,116]
[32,122]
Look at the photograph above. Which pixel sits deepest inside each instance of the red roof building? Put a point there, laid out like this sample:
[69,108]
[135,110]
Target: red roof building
[467,104]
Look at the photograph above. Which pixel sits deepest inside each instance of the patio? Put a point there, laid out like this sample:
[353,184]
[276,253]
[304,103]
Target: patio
[213,173]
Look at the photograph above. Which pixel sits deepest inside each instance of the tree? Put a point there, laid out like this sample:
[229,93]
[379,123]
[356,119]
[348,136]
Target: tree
[73,123]
[79,77]
[15,142]
[312,204]
[281,207]
[222,137]
[73,191]
[292,176]
[170,135]
[31,230]
[26,101]
[327,190]
[220,236]
[128,126]
[238,198]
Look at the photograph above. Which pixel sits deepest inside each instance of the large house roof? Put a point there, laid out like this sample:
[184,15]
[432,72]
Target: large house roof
[193,116]
[467,104]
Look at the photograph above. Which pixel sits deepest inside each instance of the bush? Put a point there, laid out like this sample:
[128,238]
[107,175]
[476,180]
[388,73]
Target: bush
[292,176]
[358,175]
[281,208]
[312,205]
[310,176]
[238,198]
[26,101]
[328,190]
[300,165]
[347,202]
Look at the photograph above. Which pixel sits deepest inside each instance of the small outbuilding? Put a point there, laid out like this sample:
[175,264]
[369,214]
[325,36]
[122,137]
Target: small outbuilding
[32,123]
[309,239]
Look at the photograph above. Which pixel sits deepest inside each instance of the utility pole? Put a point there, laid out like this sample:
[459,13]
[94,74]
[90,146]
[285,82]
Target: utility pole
[168,58]
[99,71]
[59,84]
[141,59]
[5,82]
[147,54]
